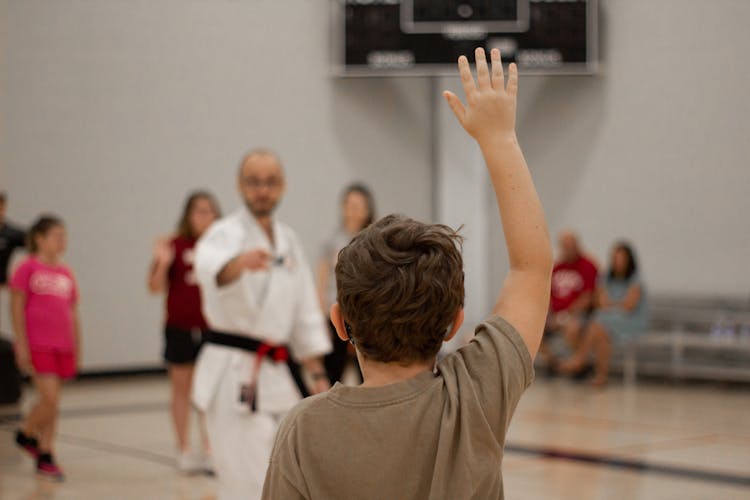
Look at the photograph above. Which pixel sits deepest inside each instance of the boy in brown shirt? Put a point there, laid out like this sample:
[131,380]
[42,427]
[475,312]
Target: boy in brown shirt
[415,429]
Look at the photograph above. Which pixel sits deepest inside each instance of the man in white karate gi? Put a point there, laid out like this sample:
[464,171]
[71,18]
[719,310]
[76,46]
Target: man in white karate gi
[260,303]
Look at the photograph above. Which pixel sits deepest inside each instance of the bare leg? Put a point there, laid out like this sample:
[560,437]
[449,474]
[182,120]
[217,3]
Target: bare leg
[32,424]
[204,432]
[181,377]
[603,354]
[573,333]
[578,360]
[48,387]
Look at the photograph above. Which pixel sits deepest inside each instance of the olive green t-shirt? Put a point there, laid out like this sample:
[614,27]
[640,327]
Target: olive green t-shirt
[436,436]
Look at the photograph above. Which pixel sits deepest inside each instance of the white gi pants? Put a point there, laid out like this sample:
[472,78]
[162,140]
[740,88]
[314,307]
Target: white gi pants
[241,443]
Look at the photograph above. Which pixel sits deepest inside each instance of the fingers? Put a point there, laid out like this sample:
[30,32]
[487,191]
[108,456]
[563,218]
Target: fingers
[456,106]
[498,79]
[512,80]
[259,254]
[483,72]
[256,259]
[466,79]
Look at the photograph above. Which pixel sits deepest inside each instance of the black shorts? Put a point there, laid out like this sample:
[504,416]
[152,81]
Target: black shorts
[182,346]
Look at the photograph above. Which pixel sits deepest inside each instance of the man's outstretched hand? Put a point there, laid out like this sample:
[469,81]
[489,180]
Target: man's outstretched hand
[490,111]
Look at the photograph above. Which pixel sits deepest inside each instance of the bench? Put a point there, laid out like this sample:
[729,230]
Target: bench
[681,345]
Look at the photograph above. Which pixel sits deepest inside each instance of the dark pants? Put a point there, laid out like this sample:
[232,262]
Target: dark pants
[336,361]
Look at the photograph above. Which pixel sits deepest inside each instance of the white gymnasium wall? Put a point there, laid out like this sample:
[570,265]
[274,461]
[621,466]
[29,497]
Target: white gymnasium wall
[112,110]
[654,149]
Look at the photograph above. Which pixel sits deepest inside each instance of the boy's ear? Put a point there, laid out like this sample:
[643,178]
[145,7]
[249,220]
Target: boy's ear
[457,322]
[338,322]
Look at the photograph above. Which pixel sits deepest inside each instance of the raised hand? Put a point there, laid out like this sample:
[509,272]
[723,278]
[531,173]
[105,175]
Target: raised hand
[490,110]
[163,252]
[490,117]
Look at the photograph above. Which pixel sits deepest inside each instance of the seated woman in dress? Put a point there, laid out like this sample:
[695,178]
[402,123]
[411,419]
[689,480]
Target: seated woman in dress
[621,316]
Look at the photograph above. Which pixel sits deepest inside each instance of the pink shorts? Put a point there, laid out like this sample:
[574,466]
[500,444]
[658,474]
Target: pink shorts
[60,363]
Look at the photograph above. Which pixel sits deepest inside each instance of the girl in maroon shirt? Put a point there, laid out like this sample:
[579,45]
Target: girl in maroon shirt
[172,271]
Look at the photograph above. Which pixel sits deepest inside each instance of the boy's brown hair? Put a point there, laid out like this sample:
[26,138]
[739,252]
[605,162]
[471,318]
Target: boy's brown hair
[400,284]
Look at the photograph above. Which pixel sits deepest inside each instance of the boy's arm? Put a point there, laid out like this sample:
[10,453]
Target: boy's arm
[489,117]
[277,485]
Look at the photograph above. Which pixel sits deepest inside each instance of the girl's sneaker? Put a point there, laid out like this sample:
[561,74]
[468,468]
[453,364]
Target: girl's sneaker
[208,465]
[188,463]
[29,444]
[48,469]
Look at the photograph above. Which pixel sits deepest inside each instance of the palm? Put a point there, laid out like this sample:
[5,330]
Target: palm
[163,252]
[490,109]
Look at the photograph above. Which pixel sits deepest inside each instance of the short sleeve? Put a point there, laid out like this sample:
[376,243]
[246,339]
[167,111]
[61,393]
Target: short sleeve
[278,486]
[284,478]
[634,282]
[499,368]
[589,277]
[20,279]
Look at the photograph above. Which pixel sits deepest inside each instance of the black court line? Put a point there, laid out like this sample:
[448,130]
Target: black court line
[633,465]
[96,445]
[543,452]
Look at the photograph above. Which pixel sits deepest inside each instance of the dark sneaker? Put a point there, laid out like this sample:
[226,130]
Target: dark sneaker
[28,443]
[48,469]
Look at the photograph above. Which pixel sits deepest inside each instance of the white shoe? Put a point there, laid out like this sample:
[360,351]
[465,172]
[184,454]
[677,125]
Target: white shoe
[188,463]
[208,465]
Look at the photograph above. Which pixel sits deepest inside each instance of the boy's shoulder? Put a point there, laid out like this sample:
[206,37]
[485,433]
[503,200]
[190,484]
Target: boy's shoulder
[310,408]
[307,408]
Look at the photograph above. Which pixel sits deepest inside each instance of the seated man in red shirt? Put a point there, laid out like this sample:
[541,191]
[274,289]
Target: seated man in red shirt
[572,294]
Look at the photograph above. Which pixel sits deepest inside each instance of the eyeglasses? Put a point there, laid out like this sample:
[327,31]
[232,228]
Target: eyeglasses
[272,183]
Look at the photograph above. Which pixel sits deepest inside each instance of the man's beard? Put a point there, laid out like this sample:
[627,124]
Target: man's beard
[261,212]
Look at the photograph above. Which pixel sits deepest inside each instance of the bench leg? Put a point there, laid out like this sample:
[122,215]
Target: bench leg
[629,365]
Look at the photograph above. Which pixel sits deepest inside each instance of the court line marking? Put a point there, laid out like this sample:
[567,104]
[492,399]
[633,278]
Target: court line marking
[538,451]
[116,449]
[640,466]
[96,411]
[608,423]
[7,421]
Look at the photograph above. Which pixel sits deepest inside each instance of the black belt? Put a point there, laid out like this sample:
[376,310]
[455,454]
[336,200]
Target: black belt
[253,345]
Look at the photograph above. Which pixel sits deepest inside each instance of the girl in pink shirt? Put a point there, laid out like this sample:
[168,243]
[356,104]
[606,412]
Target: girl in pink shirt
[47,334]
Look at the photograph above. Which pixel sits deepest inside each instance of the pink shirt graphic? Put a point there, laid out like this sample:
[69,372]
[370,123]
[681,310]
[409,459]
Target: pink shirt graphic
[51,295]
